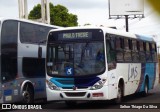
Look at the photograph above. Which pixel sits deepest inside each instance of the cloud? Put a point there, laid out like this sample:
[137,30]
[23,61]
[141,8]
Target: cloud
[75,4]
[8,3]
[9,8]
[82,4]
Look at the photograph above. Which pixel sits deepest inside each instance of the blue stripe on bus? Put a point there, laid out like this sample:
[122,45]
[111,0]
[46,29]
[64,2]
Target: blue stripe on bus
[63,82]
[141,77]
[7,92]
[77,82]
[150,70]
[154,75]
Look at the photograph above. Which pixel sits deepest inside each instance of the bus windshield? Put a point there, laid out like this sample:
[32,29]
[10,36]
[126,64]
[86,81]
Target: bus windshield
[75,59]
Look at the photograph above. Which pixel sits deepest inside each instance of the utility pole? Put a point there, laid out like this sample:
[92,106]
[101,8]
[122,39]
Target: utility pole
[126,19]
[23,9]
[45,11]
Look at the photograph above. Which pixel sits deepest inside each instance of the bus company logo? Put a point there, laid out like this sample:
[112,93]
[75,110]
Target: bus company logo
[74,87]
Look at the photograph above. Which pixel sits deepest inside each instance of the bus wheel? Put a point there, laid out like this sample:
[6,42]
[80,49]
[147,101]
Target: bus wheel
[27,94]
[145,92]
[71,103]
[119,95]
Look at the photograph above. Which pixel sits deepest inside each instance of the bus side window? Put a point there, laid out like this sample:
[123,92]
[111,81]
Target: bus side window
[127,51]
[155,46]
[33,67]
[126,44]
[110,50]
[112,43]
[142,52]
[138,46]
[130,44]
[31,33]
[119,49]
[135,55]
[153,51]
[148,53]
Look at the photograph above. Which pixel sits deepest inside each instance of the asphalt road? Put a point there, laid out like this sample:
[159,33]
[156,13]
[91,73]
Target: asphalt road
[130,103]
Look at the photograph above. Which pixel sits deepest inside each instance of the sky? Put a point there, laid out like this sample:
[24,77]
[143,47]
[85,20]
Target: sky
[95,12]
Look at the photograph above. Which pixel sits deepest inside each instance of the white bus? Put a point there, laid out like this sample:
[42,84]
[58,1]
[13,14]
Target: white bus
[98,64]
[22,60]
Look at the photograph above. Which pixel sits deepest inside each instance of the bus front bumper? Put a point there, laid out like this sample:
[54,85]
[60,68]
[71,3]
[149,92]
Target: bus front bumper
[85,94]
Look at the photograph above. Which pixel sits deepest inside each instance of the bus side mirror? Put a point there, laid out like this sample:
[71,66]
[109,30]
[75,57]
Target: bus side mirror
[39,52]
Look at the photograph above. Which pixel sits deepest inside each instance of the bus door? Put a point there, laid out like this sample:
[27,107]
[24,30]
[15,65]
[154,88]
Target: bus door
[0,69]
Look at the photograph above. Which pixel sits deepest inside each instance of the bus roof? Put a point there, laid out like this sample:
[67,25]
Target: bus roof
[112,31]
[29,21]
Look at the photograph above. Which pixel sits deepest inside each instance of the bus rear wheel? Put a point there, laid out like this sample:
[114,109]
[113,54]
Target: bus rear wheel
[145,92]
[28,96]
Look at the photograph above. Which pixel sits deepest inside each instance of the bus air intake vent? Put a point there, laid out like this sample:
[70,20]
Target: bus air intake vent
[73,94]
[76,88]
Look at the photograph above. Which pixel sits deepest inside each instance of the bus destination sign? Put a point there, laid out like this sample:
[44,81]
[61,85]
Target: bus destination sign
[75,35]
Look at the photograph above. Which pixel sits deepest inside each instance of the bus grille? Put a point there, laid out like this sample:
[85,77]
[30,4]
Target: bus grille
[72,94]
[76,88]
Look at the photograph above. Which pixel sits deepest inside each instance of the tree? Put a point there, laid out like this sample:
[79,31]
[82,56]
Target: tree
[35,13]
[59,15]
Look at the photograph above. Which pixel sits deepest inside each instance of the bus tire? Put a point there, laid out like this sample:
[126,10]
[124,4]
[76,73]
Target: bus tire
[146,88]
[28,95]
[119,94]
[71,103]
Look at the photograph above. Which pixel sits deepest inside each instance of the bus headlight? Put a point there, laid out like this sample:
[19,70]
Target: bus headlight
[52,86]
[98,85]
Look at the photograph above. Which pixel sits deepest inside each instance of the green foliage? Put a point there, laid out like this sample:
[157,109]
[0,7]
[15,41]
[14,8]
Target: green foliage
[35,13]
[59,15]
